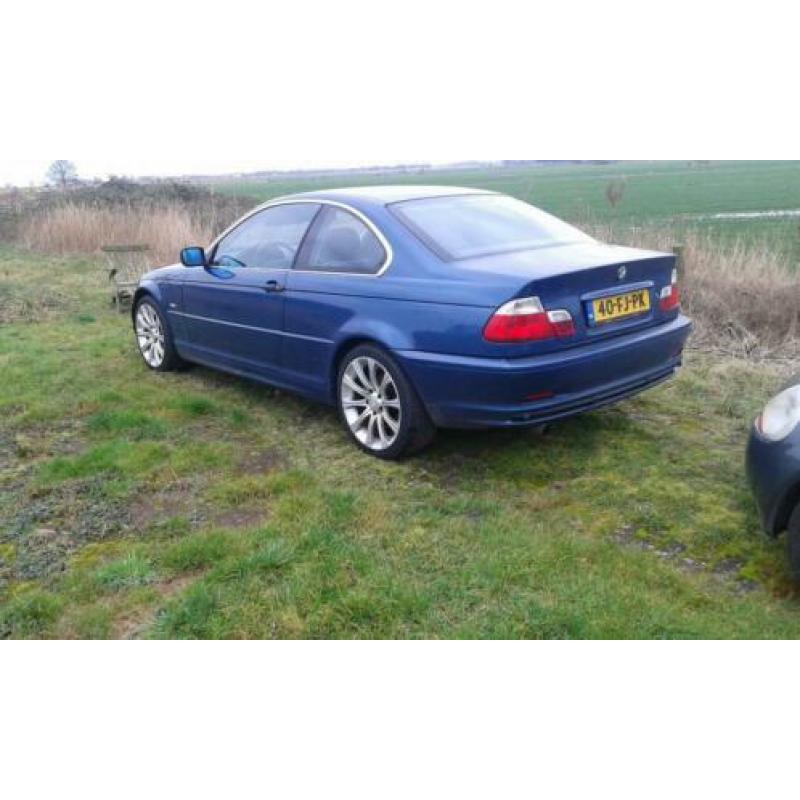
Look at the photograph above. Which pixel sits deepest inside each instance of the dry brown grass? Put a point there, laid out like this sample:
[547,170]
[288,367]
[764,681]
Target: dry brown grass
[744,297]
[71,228]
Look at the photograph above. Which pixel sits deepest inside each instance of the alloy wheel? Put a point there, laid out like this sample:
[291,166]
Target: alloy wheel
[150,335]
[371,403]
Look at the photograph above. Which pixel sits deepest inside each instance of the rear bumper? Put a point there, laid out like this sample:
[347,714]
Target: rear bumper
[463,392]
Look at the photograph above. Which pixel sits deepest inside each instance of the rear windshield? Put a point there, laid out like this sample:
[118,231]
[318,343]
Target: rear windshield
[469,226]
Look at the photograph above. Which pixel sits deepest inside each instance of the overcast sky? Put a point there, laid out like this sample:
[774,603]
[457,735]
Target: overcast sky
[182,88]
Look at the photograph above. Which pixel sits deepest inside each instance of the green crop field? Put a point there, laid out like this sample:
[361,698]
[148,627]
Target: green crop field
[681,194]
[200,505]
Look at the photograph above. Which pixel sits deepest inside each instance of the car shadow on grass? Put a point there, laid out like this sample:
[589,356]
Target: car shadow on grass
[584,431]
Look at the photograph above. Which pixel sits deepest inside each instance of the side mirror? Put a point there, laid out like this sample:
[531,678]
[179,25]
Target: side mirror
[193,257]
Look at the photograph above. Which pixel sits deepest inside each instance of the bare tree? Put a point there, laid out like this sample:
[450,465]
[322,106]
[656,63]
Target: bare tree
[615,191]
[62,173]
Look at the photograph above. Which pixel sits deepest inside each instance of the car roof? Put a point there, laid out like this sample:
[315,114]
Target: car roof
[383,195]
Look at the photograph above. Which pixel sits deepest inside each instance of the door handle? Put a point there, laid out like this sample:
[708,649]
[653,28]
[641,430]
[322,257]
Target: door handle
[274,286]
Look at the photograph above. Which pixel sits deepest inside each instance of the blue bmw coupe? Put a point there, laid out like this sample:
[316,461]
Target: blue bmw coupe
[412,308]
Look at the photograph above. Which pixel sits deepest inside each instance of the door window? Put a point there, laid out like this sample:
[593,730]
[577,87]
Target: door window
[341,242]
[270,238]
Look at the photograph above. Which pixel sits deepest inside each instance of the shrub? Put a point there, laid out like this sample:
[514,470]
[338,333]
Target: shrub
[165,216]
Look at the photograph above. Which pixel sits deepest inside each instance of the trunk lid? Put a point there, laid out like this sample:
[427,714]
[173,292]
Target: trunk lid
[577,277]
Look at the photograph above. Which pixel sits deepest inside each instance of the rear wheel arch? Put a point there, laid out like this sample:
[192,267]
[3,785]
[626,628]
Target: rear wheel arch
[345,347]
[415,431]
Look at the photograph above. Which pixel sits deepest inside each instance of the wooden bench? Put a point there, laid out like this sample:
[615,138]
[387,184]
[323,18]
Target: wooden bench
[126,265]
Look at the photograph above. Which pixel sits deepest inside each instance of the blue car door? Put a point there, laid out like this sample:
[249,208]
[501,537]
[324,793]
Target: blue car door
[233,309]
[334,277]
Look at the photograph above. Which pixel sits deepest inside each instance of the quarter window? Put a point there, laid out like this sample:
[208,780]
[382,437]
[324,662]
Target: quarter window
[341,242]
[270,238]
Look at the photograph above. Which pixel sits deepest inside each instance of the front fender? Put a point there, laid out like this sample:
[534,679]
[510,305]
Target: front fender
[167,295]
[154,289]
[773,470]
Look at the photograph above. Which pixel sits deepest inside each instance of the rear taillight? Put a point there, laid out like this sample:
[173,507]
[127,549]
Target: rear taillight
[526,320]
[670,295]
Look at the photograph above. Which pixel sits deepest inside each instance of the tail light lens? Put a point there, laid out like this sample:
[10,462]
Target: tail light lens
[526,320]
[671,295]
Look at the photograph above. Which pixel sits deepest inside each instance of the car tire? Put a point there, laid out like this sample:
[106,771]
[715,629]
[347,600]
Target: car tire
[793,543]
[380,409]
[154,337]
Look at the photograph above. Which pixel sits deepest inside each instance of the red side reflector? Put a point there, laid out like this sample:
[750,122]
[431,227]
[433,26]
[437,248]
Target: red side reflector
[540,396]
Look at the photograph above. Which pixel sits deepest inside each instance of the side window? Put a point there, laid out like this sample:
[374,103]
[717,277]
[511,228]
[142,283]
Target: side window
[341,242]
[271,238]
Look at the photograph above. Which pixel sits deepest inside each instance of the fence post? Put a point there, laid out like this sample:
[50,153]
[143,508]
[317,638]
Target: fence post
[680,260]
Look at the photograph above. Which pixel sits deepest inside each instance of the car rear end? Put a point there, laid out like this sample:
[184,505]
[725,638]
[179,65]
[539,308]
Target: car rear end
[554,331]
[582,341]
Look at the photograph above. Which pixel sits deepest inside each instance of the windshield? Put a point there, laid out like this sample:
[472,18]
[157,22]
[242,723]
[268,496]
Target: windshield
[468,226]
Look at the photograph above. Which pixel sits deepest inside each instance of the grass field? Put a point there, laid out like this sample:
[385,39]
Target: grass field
[200,505]
[679,194]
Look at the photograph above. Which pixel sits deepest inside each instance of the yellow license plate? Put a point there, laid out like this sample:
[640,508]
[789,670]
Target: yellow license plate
[620,306]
